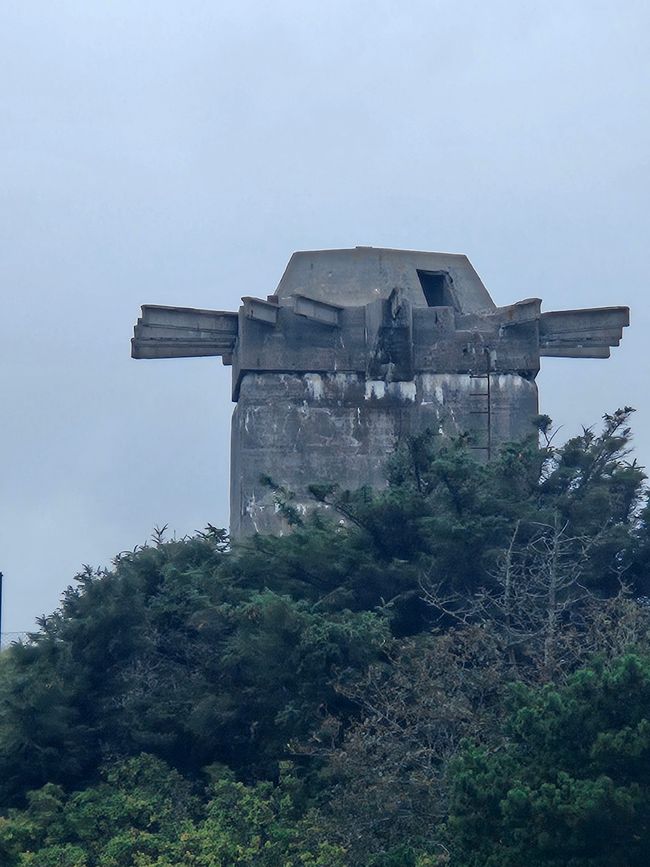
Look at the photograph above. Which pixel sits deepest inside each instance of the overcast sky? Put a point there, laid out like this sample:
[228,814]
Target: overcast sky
[179,152]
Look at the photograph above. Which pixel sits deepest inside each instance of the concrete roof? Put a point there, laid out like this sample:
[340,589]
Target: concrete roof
[355,277]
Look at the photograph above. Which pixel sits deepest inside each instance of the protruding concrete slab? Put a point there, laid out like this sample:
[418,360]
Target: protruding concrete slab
[575,352]
[582,333]
[521,311]
[261,311]
[318,311]
[182,332]
[584,320]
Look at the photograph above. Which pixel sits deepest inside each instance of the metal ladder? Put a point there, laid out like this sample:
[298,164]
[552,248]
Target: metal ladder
[480,407]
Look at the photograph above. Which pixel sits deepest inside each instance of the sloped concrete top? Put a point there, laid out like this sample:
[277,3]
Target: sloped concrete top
[357,276]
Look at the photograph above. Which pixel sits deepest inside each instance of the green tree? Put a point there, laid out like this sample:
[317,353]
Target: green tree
[167,654]
[570,784]
[143,813]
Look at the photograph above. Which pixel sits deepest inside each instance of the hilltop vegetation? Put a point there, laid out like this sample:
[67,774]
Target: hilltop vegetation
[459,673]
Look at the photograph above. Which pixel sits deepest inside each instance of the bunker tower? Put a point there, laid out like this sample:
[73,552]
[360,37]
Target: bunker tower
[358,348]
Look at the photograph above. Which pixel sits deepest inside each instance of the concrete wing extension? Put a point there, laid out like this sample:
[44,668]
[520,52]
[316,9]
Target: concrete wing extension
[182,332]
[358,348]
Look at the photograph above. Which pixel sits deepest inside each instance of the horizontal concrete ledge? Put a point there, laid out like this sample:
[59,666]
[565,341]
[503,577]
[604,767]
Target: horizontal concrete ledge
[603,336]
[192,318]
[575,351]
[163,309]
[591,319]
[179,348]
[145,331]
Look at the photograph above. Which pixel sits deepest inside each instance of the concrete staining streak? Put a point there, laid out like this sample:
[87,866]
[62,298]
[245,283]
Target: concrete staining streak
[503,382]
[314,383]
[375,388]
[405,390]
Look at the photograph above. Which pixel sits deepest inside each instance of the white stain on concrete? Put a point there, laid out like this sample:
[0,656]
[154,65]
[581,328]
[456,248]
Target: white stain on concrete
[375,388]
[251,509]
[405,390]
[508,381]
[314,382]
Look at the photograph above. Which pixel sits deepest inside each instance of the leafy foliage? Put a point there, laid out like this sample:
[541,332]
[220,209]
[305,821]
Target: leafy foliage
[571,782]
[143,813]
[165,654]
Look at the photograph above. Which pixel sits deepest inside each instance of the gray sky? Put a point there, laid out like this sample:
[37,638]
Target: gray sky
[178,152]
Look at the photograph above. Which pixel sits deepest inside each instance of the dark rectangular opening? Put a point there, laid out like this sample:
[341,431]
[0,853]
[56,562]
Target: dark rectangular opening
[435,285]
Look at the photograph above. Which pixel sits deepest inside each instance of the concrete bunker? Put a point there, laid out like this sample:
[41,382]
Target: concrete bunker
[358,348]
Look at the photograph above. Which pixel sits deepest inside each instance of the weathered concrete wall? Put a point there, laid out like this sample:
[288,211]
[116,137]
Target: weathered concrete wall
[302,429]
